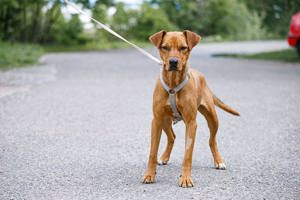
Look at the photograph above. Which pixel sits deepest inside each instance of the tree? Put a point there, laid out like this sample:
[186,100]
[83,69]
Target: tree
[149,21]
[107,3]
[124,20]
[184,14]
[30,20]
[99,12]
[276,14]
[232,19]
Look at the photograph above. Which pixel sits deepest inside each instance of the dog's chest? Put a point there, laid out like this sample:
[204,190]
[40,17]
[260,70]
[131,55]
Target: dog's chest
[167,107]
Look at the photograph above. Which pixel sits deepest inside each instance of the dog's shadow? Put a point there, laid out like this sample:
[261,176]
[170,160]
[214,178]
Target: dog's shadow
[129,175]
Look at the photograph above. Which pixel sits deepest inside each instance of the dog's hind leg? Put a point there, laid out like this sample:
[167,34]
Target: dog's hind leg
[167,127]
[210,114]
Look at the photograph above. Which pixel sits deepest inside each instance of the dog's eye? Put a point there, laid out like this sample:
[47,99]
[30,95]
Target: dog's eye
[165,48]
[183,48]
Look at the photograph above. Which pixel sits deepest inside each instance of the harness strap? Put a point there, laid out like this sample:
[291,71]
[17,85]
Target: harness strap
[172,92]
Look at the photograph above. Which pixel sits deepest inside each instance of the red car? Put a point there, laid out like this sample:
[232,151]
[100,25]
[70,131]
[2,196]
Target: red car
[294,34]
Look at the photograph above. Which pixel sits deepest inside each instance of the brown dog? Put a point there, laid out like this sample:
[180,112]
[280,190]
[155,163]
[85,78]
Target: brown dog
[174,49]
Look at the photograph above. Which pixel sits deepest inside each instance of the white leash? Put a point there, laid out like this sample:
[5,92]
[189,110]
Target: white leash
[114,33]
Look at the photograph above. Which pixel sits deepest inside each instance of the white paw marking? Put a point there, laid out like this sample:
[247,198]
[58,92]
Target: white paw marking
[221,166]
[160,162]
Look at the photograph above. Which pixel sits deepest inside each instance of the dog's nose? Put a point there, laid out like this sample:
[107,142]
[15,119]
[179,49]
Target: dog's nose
[173,63]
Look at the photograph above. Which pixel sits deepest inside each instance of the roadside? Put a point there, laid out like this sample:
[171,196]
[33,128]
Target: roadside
[18,55]
[13,55]
[275,50]
[286,55]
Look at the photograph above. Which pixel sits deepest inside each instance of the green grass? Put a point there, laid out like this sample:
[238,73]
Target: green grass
[13,55]
[288,55]
[16,55]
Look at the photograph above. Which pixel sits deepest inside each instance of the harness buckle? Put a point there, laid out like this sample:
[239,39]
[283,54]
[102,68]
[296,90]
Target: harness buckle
[171,91]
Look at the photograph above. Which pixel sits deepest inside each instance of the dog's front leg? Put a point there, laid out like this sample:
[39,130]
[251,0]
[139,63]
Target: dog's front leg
[156,130]
[186,178]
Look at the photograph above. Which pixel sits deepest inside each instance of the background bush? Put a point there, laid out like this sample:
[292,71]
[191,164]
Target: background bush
[232,19]
[42,21]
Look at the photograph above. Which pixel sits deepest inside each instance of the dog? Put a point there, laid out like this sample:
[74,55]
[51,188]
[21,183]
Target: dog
[174,49]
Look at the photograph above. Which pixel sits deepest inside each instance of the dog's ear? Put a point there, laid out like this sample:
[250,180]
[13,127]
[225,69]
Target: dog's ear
[191,38]
[157,38]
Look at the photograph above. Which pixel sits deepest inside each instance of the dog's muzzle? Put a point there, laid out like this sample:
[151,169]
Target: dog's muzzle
[173,63]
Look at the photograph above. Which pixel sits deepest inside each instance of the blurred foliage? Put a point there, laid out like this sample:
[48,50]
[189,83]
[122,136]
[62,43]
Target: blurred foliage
[123,21]
[15,55]
[184,14]
[227,19]
[42,21]
[151,20]
[37,21]
[232,19]
[275,14]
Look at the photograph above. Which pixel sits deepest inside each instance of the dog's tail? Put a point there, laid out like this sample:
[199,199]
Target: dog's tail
[223,106]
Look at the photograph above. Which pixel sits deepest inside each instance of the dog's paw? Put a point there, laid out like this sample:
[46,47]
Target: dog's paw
[162,161]
[149,178]
[185,181]
[221,166]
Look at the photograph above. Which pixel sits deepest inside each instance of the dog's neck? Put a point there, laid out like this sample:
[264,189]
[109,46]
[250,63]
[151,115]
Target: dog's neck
[174,78]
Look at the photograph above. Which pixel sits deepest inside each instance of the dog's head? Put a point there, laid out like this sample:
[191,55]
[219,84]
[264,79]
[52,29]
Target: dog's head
[175,48]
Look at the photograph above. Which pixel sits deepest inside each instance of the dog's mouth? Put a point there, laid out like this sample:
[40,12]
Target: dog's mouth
[171,68]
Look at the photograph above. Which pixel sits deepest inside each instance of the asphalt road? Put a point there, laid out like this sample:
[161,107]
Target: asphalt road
[78,127]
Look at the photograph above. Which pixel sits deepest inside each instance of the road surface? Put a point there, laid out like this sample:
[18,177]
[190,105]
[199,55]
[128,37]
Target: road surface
[78,127]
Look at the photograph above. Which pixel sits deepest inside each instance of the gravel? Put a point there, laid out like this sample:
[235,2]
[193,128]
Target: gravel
[78,127]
